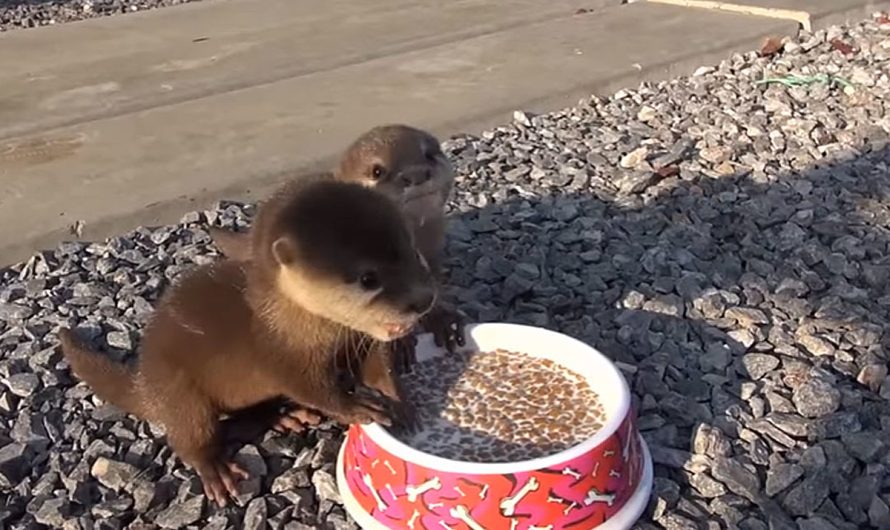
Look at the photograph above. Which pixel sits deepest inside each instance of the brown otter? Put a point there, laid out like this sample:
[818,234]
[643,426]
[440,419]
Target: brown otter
[408,165]
[333,277]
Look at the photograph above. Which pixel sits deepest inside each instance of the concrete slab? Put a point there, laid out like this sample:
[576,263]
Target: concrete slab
[810,14]
[56,76]
[148,166]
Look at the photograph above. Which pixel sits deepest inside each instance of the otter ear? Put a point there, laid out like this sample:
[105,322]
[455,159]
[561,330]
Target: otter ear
[285,250]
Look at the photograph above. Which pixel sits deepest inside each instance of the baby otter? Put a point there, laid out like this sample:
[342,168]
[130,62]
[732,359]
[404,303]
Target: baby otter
[333,278]
[408,165]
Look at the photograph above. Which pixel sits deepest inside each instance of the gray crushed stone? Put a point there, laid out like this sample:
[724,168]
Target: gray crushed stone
[725,241]
[24,14]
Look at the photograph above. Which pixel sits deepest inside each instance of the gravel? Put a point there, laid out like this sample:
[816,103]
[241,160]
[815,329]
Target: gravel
[22,14]
[725,241]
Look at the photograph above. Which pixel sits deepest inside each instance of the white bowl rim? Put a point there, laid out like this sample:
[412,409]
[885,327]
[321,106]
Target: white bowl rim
[394,446]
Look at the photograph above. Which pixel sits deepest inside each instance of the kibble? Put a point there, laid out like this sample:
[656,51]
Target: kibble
[499,406]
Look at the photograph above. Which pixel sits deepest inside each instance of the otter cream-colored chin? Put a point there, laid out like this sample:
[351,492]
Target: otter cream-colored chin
[523,428]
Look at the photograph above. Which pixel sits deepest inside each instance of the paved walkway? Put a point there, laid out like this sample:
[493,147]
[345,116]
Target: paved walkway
[122,121]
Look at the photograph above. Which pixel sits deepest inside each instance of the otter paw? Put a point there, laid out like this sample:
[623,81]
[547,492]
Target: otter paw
[296,420]
[406,419]
[404,353]
[369,406]
[447,327]
[220,481]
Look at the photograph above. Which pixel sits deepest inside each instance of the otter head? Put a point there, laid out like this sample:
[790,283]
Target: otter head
[401,161]
[343,252]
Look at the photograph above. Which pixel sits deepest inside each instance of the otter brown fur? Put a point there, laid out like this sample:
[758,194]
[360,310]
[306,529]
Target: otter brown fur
[407,164]
[333,277]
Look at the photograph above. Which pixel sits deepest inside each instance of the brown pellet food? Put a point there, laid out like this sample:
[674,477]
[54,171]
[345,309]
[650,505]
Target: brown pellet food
[499,406]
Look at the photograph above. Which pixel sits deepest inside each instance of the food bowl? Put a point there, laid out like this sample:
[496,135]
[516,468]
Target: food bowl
[603,482]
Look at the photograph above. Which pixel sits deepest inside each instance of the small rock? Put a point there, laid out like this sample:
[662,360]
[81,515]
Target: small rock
[670,457]
[53,512]
[758,365]
[528,270]
[707,486]
[710,441]
[714,155]
[522,118]
[119,339]
[22,385]
[325,486]
[113,474]
[325,451]
[646,113]
[872,376]
[291,479]
[747,316]
[14,464]
[879,513]
[815,523]
[861,76]
[11,312]
[338,522]
[867,446]
[675,521]
[144,495]
[702,71]
[716,359]
[252,461]
[112,508]
[815,345]
[633,182]
[255,515]
[835,425]
[181,514]
[634,158]
[780,476]
[807,496]
[788,423]
[816,398]
[249,489]
[743,337]
[736,477]
[813,459]
[296,525]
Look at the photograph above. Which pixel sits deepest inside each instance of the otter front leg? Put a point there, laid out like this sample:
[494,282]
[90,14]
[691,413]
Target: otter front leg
[322,392]
[378,373]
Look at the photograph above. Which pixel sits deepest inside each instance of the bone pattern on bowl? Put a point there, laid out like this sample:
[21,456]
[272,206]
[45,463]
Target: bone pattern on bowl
[578,494]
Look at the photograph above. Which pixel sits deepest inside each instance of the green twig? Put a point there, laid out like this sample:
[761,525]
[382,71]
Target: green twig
[795,80]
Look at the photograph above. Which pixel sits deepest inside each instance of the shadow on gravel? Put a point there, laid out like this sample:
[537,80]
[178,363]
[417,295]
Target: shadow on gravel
[742,309]
[747,311]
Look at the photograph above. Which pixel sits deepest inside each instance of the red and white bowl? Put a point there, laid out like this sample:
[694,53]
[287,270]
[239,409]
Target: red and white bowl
[603,482]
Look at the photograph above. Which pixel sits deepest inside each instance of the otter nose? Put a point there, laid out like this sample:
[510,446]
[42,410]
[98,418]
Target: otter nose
[420,301]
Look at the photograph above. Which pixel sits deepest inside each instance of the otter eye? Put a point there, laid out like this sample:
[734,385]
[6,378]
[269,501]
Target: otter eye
[369,281]
[377,172]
